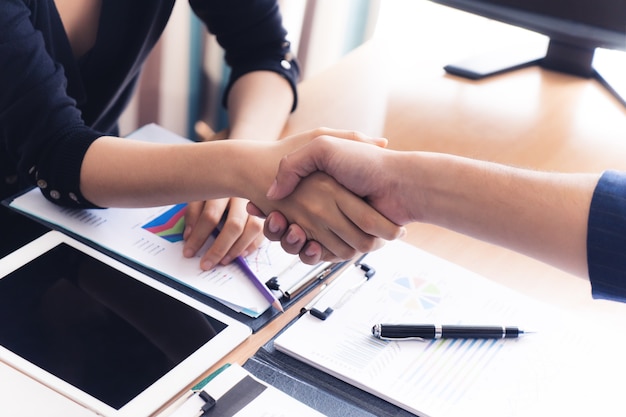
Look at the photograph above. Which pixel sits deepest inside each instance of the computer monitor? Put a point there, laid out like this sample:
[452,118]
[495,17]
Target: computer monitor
[575,29]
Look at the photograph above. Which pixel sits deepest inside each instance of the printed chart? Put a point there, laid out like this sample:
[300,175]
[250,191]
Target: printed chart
[414,293]
[169,225]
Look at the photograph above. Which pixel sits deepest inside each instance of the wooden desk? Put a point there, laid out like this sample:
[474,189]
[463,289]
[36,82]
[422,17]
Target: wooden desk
[532,118]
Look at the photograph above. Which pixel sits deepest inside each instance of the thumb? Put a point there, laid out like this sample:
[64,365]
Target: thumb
[312,157]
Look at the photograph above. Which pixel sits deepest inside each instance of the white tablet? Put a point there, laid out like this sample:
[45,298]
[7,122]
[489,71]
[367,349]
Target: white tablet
[101,333]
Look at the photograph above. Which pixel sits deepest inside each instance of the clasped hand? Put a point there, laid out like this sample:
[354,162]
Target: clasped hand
[319,218]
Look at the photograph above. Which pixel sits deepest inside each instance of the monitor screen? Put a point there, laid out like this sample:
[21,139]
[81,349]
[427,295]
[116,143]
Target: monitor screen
[606,14]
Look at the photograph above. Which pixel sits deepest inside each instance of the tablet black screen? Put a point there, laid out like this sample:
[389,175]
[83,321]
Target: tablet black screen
[94,327]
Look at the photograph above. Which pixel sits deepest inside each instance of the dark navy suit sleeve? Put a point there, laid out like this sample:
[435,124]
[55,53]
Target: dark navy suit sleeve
[253,37]
[38,120]
[606,237]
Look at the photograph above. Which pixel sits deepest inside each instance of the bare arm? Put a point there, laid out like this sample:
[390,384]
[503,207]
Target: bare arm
[540,214]
[259,104]
[122,173]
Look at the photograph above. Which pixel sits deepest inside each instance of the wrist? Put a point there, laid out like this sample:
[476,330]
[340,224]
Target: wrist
[253,169]
[416,175]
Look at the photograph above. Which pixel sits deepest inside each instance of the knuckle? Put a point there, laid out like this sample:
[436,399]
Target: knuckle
[354,135]
[255,226]
[236,225]
[330,257]
[321,131]
[211,214]
[368,244]
[346,252]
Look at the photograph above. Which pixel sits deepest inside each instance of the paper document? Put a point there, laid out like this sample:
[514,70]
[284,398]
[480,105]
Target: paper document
[559,370]
[152,237]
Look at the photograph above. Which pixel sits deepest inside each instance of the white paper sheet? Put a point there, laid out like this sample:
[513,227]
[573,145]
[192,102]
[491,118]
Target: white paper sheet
[566,368]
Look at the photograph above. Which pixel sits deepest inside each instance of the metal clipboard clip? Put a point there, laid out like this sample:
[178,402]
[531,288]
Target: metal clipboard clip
[340,290]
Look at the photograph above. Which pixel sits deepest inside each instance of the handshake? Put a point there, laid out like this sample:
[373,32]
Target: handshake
[349,185]
[352,195]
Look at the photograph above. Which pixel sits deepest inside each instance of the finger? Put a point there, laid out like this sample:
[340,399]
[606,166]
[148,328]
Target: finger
[312,253]
[253,210]
[275,226]
[292,168]
[256,243]
[309,158]
[347,222]
[192,212]
[200,220]
[336,247]
[239,232]
[353,135]
[249,240]
[293,239]
[369,221]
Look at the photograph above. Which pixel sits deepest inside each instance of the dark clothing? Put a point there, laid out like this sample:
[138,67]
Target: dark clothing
[52,106]
[606,237]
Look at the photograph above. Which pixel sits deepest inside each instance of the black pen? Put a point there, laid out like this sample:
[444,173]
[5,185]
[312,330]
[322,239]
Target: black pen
[435,331]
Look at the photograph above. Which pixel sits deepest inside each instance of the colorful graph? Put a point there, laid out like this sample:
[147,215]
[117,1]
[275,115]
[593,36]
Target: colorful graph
[169,225]
[414,293]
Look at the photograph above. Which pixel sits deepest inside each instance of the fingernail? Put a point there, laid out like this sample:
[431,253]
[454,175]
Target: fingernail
[272,226]
[292,238]
[272,190]
[188,253]
[310,252]
[206,265]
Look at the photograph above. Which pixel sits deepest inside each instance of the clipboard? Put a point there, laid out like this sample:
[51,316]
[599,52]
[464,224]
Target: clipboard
[317,389]
[338,360]
[232,390]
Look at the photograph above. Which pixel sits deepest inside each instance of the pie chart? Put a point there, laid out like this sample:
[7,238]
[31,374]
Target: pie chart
[414,293]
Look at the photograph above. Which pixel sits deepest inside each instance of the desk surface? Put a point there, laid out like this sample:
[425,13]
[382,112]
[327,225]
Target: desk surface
[532,118]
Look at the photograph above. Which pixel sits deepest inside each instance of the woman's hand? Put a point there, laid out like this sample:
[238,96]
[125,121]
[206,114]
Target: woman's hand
[239,235]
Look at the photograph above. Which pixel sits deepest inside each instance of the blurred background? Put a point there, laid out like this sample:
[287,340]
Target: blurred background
[180,86]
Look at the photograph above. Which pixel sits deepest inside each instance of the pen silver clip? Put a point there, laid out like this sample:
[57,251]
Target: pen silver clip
[395,339]
[377,333]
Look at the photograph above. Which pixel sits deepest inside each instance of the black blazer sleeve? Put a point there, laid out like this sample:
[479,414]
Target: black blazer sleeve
[253,37]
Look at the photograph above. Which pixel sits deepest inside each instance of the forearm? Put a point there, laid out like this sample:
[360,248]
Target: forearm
[125,173]
[259,104]
[543,215]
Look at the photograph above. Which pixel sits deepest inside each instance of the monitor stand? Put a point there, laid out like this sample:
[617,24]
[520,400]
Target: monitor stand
[610,70]
[559,57]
